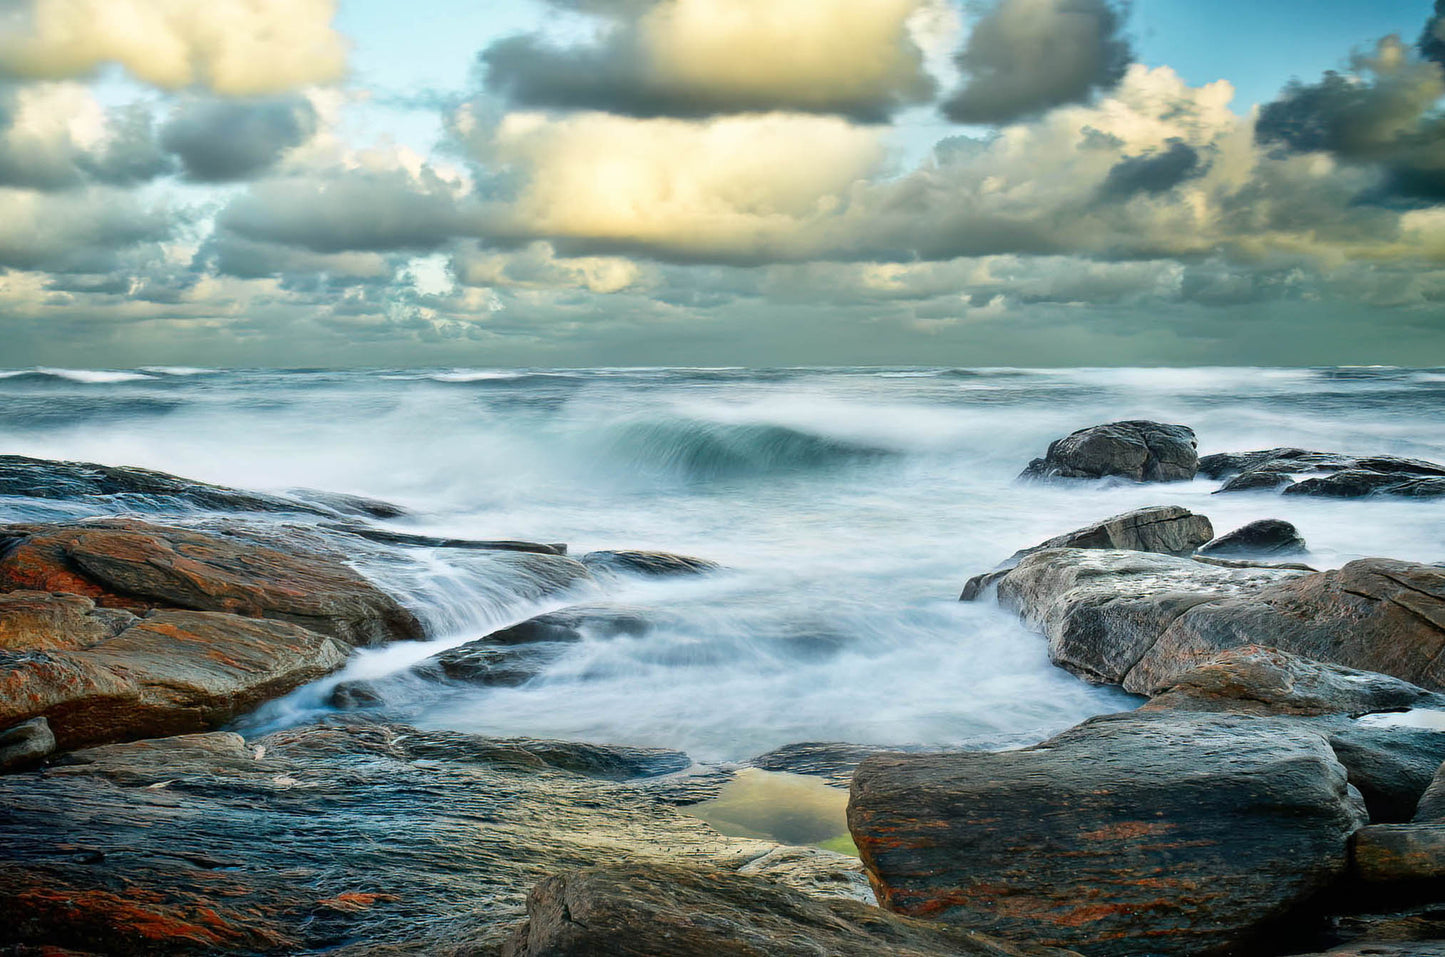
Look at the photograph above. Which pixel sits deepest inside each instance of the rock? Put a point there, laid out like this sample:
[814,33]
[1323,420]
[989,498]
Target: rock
[1167,529]
[135,488]
[1337,475]
[168,673]
[1268,536]
[833,761]
[389,537]
[1431,807]
[575,622]
[26,744]
[359,505]
[139,566]
[1256,680]
[336,838]
[1258,479]
[1139,450]
[1131,834]
[633,911]
[649,563]
[1358,483]
[1140,620]
[1389,853]
[1392,767]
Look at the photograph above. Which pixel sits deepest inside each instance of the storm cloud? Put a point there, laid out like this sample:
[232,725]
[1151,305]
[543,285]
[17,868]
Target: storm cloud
[1024,57]
[1155,172]
[221,141]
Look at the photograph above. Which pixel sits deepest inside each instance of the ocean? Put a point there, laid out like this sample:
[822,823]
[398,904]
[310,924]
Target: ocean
[847,506]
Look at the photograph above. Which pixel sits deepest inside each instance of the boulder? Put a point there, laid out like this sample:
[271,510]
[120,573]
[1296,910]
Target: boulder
[648,563]
[1166,529]
[642,911]
[138,566]
[331,838]
[1334,474]
[1138,450]
[1155,834]
[1358,483]
[26,744]
[1258,479]
[1431,807]
[1268,536]
[1400,853]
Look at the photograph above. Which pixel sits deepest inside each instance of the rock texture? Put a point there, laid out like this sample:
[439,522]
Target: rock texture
[138,566]
[649,563]
[26,744]
[709,912]
[1268,536]
[1138,450]
[1400,853]
[356,839]
[1166,529]
[1140,620]
[1330,474]
[1131,834]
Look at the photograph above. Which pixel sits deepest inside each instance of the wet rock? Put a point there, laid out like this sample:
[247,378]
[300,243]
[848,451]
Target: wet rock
[1392,767]
[26,744]
[139,566]
[649,563]
[1400,853]
[1140,620]
[633,911]
[1139,450]
[1254,679]
[1335,474]
[338,838]
[478,664]
[833,761]
[1358,483]
[1431,807]
[1131,834]
[359,505]
[575,622]
[132,488]
[1166,529]
[168,673]
[389,537]
[1268,536]
[1258,479]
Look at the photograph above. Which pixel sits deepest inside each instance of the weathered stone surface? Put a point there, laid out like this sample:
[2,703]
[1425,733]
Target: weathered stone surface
[1166,529]
[1139,450]
[1358,483]
[389,537]
[1390,766]
[26,744]
[40,621]
[833,761]
[1256,480]
[139,566]
[171,672]
[649,563]
[1140,620]
[1431,806]
[1400,852]
[1130,834]
[1268,536]
[1335,474]
[359,839]
[1256,680]
[633,911]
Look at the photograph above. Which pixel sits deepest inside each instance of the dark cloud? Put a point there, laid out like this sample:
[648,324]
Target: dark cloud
[1153,172]
[48,158]
[866,71]
[1024,57]
[87,231]
[221,141]
[1432,38]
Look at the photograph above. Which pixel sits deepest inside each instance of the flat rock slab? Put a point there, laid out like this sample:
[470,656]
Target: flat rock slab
[1139,450]
[1404,853]
[1130,834]
[1325,474]
[649,563]
[709,912]
[139,566]
[339,839]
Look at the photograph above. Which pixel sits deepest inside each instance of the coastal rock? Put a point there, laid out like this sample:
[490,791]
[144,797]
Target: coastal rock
[27,743]
[1257,479]
[1392,767]
[168,673]
[833,761]
[633,911]
[138,566]
[1139,450]
[1140,620]
[1358,483]
[1166,529]
[337,838]
[1131,834]
[1431,807]
[649,563]
[1268,536]
[390,537]
[1400,853]
[1335,474]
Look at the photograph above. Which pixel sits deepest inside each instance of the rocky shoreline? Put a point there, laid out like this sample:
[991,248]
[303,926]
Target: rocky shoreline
[1279,791]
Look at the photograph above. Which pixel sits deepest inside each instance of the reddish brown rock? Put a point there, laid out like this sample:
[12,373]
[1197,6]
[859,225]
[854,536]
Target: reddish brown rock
[1390,853]
[1160,834]
[137,566]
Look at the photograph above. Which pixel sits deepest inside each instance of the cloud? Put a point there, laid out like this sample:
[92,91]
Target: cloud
[56,136]
[1024,57]
[230,47]
[1382,112]
[699,58]
[1432,38]
[1155,172]
[81,232]
[225,140]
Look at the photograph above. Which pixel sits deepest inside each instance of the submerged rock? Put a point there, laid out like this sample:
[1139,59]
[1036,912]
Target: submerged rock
[1335,474]
[1166,529]
[649,563]
[1131,834]
[1139,450]
[344,839]
[635,911]
[390,537]
[1268,536]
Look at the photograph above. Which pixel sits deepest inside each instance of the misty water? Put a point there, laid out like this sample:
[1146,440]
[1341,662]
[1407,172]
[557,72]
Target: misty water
[848,507]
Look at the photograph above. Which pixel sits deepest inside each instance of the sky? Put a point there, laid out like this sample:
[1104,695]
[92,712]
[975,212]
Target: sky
[363,183]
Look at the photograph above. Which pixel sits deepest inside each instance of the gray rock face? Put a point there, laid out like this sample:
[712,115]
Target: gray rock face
[708,912]
[1140,620]
[1431,807]
[1266,537]
[1139,450]
[1400,853]
[1131,834]
[648,563]
[27,743]
[1166,529]
[1328,474]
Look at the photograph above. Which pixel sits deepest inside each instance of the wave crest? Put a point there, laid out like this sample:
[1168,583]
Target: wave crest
[700,450]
